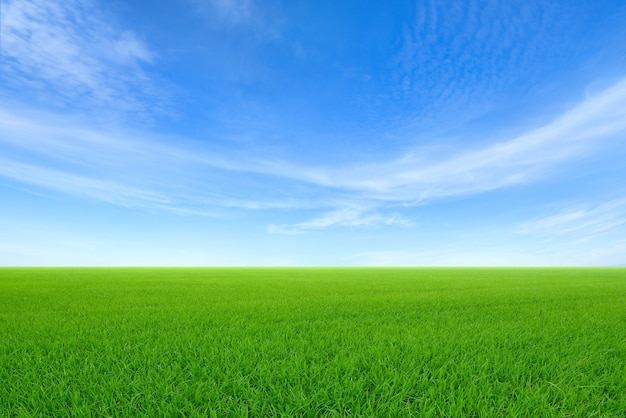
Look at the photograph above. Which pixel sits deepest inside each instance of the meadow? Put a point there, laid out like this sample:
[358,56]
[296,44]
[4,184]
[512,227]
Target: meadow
[440,342]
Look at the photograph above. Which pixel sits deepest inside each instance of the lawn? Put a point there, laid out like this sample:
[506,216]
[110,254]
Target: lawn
[451,342]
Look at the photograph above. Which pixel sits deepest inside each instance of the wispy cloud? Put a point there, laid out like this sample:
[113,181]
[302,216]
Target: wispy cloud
[66,51]
[353,217]
[81,185]
[436,75]
[581,222]
[259,17]
[126,168]
[522,159]
[234,11]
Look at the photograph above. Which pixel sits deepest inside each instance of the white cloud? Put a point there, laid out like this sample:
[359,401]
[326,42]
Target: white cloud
[81,185]
[239,13]
[66,51]
[260,21]
[352,217]
[68,155]
[580,222]
[456,62]
[235,11]
[123,168]
[129,48]
[523,159]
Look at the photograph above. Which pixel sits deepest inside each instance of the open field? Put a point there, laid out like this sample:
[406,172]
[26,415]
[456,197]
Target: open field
[313,342]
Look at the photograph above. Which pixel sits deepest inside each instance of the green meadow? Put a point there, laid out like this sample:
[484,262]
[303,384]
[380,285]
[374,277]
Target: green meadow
[378,342]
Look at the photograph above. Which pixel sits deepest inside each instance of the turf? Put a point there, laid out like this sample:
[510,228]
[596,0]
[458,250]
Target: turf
[313,342]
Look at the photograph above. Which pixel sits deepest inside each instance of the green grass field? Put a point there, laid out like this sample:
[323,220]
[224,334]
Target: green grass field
[313,342]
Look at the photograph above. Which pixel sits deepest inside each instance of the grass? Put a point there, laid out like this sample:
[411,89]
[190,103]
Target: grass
[313,342]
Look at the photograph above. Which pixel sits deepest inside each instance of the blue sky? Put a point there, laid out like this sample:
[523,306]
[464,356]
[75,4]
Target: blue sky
[246,132]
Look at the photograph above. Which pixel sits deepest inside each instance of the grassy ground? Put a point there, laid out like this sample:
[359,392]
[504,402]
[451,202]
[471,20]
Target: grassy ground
[313,342]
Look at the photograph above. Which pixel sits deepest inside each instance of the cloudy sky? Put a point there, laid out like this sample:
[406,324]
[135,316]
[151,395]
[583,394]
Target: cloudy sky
[249,132]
